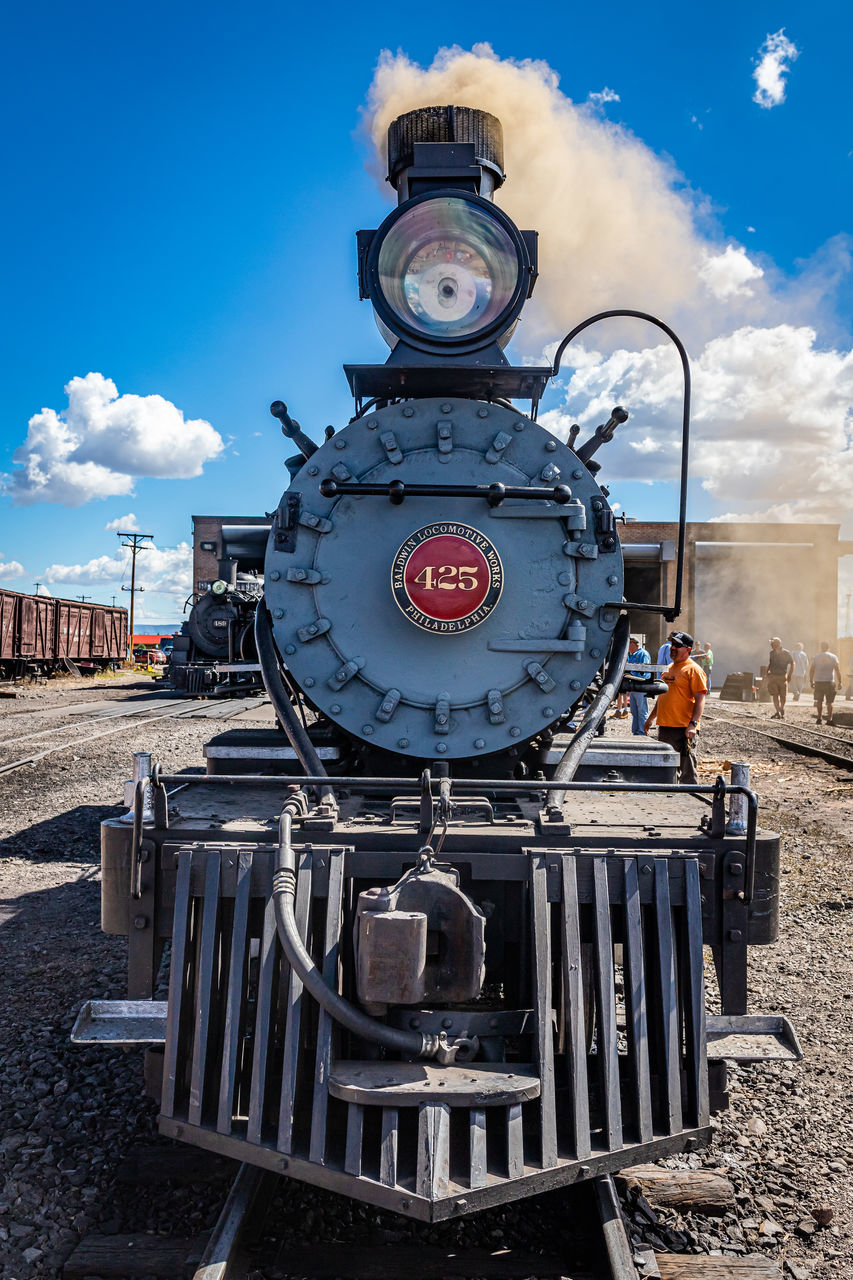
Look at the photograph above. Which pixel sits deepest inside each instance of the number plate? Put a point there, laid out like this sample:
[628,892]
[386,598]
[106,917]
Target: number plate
[447,577]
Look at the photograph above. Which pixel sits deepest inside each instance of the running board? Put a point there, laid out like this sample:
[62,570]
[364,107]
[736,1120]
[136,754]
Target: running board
[752,1037]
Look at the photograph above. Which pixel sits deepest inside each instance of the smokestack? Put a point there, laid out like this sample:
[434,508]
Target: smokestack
[434,147]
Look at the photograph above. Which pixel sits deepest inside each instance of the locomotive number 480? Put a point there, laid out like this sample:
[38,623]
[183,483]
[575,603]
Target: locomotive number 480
[448,577]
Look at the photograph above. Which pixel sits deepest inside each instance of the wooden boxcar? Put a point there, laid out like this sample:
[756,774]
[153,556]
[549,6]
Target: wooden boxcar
[41,634]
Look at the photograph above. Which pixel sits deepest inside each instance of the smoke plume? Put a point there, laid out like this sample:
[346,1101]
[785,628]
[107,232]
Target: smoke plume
[620,227]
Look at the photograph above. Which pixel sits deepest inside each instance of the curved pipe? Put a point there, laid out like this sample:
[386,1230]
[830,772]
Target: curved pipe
[670,612]
[567,768]
[411,1043]
[277,694]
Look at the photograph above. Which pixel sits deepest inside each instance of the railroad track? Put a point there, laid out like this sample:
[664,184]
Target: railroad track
[146,713]
[836,748]
[582,1231]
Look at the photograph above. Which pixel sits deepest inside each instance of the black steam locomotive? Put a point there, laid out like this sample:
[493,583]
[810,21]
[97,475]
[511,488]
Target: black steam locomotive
[432,946]
[215,652]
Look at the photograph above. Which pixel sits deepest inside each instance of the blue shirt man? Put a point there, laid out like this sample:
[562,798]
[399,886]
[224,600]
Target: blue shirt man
[638,702]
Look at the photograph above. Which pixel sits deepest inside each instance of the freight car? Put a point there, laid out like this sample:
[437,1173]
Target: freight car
[42,635]
[433,947]
[215,652]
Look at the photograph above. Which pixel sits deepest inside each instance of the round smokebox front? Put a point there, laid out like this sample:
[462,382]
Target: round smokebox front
[443,626]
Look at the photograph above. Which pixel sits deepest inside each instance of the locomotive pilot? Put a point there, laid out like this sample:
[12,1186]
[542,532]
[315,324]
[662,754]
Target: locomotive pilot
[678,712]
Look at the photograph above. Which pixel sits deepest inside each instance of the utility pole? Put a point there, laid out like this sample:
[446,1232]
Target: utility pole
[83,599]
[135,544]
[38,584]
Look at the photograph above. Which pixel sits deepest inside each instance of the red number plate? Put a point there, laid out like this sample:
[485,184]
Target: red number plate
[447,577]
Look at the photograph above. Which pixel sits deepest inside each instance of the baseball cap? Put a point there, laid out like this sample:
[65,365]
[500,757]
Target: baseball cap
[775,639]
[680,637]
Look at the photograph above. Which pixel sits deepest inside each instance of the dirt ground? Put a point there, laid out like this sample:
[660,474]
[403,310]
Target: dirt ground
[68,1116]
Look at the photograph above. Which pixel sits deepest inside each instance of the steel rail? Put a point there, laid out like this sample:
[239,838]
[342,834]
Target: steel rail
[801,748]
[66,746]
[220,1258]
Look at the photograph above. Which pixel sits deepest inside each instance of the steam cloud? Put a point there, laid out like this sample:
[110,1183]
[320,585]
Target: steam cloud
[102,442]
[619,228]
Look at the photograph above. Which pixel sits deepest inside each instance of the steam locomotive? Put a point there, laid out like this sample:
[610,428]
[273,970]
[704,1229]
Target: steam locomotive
[430,945]
[215,652]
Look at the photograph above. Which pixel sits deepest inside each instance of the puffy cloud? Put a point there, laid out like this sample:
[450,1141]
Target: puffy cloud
[775,58]
[122,523]
[166,570]
[12,569]
[102,442]
[728,274]
[772,420]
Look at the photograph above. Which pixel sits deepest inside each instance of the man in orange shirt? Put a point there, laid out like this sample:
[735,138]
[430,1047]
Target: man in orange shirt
[679,711]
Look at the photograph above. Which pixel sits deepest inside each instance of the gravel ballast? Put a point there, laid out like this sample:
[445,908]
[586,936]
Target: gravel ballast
[69,1116]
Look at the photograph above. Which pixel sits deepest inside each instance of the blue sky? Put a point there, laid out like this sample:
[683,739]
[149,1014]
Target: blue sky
[184,183]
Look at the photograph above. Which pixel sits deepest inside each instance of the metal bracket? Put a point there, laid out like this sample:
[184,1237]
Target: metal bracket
[286,522]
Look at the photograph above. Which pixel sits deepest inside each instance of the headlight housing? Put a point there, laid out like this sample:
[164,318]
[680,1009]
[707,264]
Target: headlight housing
[448,270]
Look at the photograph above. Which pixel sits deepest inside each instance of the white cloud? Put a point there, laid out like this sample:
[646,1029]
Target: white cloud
[775,58]
[166,570]
[772,420]
[604,96]
[12,569]
[728,274]
[122,523]
[102,442]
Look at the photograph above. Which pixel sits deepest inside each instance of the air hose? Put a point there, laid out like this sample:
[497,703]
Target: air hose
[567,768]
[305,750]
[410,1043]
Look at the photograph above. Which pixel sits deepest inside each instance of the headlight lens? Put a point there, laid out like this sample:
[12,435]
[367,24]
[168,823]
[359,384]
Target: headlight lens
[219,587]
[448,268]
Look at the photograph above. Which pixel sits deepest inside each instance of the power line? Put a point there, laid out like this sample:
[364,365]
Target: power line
[135,545]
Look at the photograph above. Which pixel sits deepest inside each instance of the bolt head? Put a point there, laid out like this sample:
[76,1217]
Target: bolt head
[441,747]
[308,682]
[339,443]
[574,684]
[612,580]
[335,708]
[447,408]
[278,613]
[402,742]
[275,575]
[550,445]
[577,474]
[367,730]
[548,713]
[595,653]
[313,471]
[482,413]
[290,648]
[479,743]
[515,732]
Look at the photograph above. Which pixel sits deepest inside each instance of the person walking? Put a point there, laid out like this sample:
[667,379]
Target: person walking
[801,670]
[663,654]
[823,674]
[678,712]
[780,664]
[705,659]
[638,702]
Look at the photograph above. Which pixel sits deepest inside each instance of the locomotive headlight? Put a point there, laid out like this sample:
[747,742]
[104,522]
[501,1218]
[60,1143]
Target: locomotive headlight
[219,587]
[448,269]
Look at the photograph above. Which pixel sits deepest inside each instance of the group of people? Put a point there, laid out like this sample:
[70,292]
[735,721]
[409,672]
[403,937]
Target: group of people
[788,670]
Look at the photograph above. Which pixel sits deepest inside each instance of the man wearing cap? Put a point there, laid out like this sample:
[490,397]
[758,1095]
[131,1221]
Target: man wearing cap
[678,712]
[780,664]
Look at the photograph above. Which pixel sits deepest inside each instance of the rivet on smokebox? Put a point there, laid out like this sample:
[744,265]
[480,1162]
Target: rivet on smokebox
[278,613]
[408,411]
[447,408]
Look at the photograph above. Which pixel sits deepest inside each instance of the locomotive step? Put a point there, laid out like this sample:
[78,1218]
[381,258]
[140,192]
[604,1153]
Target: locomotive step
[121,1022]
[752,1037]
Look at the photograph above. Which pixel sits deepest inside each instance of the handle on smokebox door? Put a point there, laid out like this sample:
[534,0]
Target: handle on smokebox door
[397,491]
